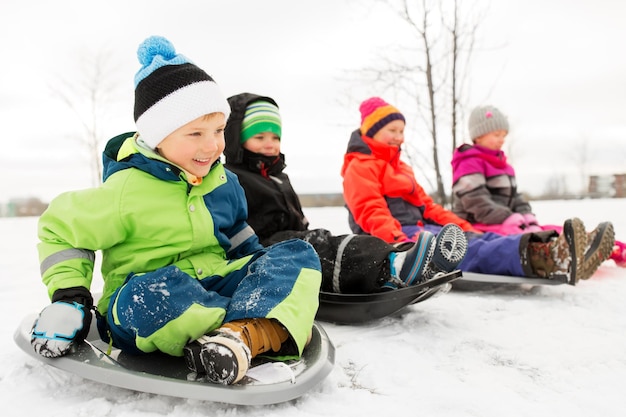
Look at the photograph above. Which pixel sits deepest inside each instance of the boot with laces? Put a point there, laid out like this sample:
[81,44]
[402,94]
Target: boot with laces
[561,257]
[600,242]
[225,354]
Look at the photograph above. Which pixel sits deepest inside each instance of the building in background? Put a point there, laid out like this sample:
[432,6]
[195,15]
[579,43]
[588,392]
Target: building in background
[23,207]
[607,186]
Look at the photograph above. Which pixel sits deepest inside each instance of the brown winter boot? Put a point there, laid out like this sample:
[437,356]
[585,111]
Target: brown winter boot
[561,257]
[260,335]
[600,243]
[224,355]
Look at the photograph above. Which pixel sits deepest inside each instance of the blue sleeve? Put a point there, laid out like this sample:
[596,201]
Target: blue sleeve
[229,209]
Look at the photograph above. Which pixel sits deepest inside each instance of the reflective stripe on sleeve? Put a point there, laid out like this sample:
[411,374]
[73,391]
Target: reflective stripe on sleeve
[66,255]
[241,237]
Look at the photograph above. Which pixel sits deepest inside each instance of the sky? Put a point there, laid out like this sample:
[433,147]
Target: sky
[518,352]
[555,68]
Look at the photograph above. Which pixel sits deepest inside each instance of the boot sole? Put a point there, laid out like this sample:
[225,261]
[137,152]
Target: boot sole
[576,237]
[450,247]
[437,254]
[599,250]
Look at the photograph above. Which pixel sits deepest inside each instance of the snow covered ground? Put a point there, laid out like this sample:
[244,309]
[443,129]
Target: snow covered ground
[531,351]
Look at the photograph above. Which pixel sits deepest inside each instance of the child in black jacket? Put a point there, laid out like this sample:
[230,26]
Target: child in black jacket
[351,263]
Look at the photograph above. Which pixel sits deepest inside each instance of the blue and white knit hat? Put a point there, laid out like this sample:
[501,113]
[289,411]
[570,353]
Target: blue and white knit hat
[170,91]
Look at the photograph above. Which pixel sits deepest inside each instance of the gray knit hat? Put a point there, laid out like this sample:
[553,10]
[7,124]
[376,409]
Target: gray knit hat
[485,119]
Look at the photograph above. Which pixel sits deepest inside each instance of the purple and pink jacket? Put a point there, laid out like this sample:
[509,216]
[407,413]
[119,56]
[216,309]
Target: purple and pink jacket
[484,186]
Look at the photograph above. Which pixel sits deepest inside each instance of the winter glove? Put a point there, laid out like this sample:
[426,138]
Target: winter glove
[530,219]
[63,323]
[531,223]
[515,222]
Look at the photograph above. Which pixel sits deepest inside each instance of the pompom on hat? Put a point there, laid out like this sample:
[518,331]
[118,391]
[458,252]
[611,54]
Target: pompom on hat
[375,114]
[170,91]
[486,119]
[260,116]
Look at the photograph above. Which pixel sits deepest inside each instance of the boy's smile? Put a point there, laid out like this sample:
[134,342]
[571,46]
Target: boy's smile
[195,146]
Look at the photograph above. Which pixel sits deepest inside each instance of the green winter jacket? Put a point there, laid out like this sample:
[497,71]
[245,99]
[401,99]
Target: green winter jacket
[144,216]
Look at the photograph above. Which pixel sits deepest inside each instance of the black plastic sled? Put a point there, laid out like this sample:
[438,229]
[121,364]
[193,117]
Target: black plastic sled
[361,308]
[265,383]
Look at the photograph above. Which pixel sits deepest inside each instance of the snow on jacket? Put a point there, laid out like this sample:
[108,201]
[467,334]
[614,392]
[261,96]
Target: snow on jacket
[484,186]
[382,194]
[144,216]
[273,204]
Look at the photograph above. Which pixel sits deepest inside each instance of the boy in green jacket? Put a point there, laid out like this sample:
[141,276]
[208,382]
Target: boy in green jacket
[183,272]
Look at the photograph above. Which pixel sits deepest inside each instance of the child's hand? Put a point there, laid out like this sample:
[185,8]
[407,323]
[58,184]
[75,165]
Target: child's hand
[58,327]
[531,223]
[515,221]
[530,219]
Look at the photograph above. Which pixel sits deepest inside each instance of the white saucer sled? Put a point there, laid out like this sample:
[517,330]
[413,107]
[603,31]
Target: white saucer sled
[265,383]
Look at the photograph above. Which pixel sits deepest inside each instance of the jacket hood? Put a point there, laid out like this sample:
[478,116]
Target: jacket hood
[238,104]
[113,161]
[356,144]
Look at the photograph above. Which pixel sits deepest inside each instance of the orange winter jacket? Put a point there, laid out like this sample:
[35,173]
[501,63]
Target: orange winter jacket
[382,194]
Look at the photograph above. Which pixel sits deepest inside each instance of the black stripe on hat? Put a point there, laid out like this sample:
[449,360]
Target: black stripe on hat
[382,122]
[164,81]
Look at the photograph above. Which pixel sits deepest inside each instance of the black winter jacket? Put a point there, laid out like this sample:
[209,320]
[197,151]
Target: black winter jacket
[273,205]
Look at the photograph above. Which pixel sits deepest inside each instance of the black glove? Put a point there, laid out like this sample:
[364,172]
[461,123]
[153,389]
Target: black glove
[63,323]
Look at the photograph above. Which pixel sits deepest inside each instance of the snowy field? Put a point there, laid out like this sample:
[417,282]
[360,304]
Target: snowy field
[524,351]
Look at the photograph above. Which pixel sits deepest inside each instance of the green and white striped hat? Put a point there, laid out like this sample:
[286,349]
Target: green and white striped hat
[259,117]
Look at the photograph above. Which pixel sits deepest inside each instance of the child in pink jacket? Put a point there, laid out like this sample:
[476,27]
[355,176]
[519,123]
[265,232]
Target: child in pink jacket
[485,186]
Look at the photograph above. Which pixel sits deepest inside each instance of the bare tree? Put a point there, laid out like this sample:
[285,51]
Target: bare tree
[555,187]
[89,96]
[463,39]
[430,72]
[419,19]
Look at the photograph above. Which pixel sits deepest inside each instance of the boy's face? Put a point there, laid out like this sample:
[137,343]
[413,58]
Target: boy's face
[391,134]
[196,145]
[492,140]
[265,143]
